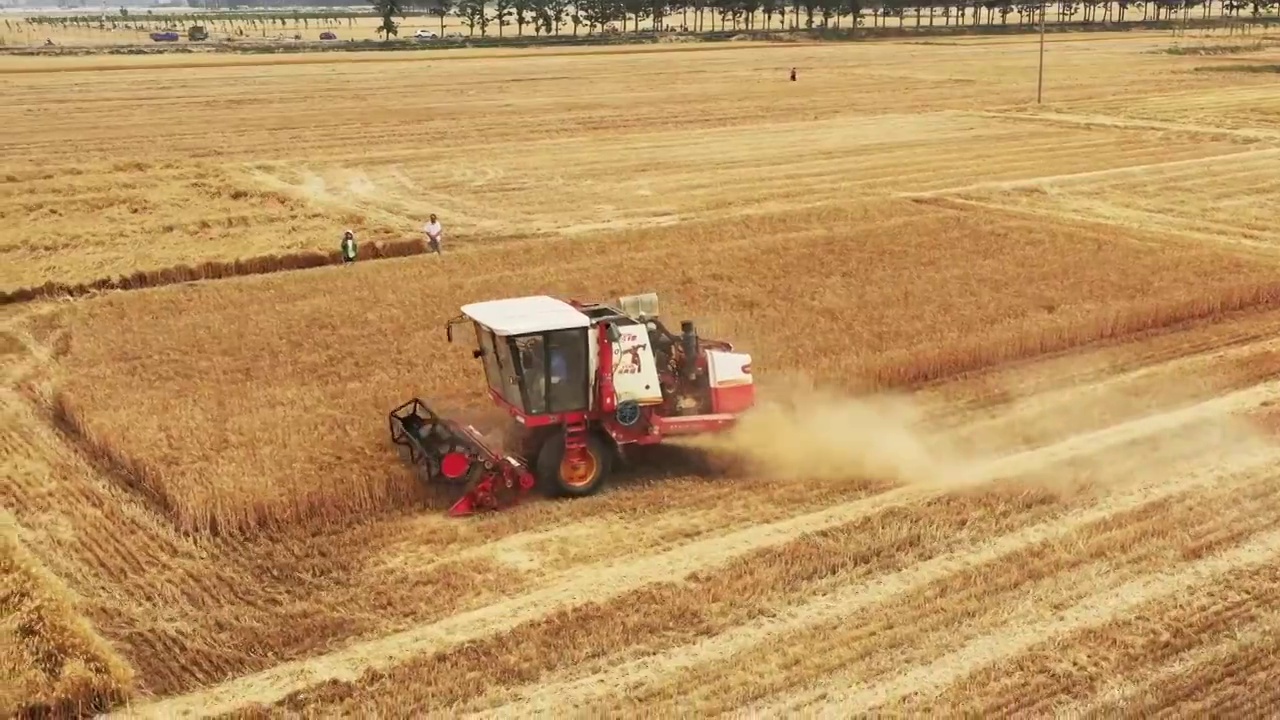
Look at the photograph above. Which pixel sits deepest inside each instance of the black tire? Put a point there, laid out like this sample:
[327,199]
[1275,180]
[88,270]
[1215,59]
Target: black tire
[550,467]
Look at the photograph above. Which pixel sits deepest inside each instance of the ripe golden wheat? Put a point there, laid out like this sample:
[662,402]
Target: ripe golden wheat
[52,662]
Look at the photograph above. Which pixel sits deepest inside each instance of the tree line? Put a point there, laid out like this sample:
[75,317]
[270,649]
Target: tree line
[548,17]
[553,17]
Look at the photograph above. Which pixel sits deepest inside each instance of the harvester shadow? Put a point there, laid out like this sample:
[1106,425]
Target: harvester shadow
[666,462]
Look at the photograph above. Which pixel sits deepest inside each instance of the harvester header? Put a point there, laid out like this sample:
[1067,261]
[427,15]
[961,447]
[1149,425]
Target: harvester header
[581,381]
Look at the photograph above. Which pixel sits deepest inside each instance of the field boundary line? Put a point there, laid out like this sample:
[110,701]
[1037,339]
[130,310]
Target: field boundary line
[548,697]
[211,270]
[1235,244]
[1112,121]
[1086,175]
[834,698]
[1061,395]
[606,580]
[375,55]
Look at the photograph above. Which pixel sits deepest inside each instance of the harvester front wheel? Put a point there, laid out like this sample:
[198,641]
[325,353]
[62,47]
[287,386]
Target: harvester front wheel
[560,477]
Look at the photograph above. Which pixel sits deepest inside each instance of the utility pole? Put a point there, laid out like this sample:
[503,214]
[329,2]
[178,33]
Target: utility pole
[1040,80]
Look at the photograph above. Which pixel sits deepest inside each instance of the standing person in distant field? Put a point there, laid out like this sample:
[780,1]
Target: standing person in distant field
[348,247]
[433,231]
[793,74]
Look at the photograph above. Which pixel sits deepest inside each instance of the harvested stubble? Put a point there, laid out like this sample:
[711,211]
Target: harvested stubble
[593,642]
[1090,664]
[144,188]
[221,413]
[879,642]
[749,588]
[53,663]
[94,220]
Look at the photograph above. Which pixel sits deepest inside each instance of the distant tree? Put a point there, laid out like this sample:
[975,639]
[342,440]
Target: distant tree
[524,10]
[658,11]
[810,7]
[599,13]
[501,11]
[541,16]
[473,14]
[637,9]
[554,14]
[768,7]
[386,9]
[830,10]
[440,10]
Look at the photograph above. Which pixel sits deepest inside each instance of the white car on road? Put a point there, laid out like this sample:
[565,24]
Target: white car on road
[425,34]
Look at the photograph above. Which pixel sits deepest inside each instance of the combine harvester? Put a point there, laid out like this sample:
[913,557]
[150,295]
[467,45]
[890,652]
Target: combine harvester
[581,381]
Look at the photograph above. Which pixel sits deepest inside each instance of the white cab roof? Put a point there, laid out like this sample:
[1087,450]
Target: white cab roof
[516,316]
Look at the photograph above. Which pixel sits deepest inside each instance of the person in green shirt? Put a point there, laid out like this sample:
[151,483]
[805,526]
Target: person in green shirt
[348,247]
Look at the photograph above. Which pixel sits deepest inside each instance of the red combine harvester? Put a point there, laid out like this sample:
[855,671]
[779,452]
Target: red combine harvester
[580,380]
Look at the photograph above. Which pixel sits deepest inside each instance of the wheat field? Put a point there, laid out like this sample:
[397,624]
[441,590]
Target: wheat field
[1015,452]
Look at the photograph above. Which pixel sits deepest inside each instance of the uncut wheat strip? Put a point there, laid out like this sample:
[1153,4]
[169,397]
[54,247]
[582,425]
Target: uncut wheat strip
[603,581]
[1126,692]
[833,698]
[629,677]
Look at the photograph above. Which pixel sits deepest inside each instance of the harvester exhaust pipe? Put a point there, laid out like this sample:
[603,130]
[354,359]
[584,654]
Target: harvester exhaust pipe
[689,341]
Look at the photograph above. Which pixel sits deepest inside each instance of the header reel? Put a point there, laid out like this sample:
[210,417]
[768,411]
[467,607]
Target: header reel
[449,453]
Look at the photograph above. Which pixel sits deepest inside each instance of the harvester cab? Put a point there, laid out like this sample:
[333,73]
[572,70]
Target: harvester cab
[580,381]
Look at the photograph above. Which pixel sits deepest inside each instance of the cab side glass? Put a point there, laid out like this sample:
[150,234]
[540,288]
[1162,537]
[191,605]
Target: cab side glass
[570,370]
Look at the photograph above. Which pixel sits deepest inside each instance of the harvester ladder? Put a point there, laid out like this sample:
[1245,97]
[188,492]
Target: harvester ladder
[575,435]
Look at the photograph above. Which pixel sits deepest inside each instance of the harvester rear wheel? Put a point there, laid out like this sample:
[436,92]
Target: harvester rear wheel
[557,475]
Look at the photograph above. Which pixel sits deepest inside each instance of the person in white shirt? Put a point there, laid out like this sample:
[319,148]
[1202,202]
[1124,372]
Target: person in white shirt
[433,231]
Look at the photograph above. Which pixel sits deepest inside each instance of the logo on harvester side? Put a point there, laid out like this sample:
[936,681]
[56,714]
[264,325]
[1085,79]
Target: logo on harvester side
[629,361]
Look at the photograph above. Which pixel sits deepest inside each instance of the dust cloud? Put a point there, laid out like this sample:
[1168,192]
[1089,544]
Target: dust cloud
[808,434]
[1100,440]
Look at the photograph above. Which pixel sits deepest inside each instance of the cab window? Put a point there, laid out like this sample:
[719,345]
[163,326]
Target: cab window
[489,356]
[508,373]
[531,354]
[569,370]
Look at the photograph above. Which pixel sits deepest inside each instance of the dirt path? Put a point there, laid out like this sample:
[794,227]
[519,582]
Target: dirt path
[602,581]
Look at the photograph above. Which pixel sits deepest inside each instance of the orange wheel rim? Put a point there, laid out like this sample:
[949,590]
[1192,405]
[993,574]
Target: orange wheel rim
[580,475]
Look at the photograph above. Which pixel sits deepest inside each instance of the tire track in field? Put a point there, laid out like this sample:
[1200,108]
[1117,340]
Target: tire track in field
[602,581]
[550,698]
[834,697]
